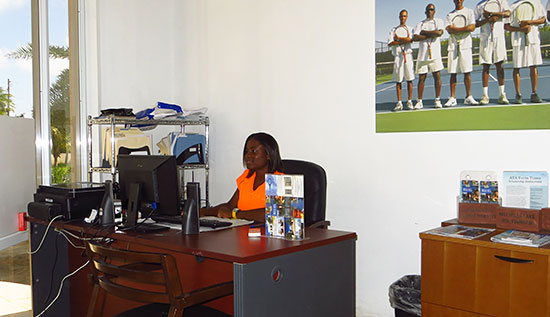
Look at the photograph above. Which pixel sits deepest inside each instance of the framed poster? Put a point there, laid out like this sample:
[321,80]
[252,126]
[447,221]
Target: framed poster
[419,59]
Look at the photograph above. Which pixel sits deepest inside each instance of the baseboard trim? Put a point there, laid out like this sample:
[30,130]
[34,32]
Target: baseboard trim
[12,239]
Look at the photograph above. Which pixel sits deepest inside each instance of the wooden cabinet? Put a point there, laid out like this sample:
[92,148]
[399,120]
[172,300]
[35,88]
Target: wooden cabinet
[482,278]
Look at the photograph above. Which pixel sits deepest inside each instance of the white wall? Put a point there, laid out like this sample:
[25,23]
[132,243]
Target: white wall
[304,71]
[17,181]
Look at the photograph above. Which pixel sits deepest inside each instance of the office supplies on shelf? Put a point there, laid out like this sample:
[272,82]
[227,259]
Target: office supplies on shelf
[186,126]
[188,148]
[128,139]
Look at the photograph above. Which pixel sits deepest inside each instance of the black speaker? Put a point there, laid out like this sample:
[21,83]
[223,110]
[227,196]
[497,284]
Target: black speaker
[190,218]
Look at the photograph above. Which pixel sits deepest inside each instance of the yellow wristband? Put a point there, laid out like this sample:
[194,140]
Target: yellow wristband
[234,213]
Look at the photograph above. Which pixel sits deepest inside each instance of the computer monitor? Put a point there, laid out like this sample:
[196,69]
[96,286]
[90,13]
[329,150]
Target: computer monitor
[149,179]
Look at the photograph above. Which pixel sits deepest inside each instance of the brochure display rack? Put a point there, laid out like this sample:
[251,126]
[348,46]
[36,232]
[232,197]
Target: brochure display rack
[115,122]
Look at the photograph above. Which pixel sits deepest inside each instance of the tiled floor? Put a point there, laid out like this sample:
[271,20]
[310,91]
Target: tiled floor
[15,289]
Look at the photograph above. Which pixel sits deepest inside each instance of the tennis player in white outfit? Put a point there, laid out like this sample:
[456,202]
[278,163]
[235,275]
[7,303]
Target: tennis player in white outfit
[492,46]
[427,33]
[526,47]
[459,56]
[403,60]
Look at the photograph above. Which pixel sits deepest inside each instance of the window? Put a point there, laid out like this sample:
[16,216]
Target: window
[56,90]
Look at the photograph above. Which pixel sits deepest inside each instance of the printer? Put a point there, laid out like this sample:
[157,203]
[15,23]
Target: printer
[72,201]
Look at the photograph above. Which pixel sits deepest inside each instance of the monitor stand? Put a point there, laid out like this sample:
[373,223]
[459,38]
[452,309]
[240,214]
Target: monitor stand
[133,205]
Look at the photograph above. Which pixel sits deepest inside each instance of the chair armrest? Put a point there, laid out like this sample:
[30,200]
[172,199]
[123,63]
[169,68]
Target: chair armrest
[208,293]
[320,224]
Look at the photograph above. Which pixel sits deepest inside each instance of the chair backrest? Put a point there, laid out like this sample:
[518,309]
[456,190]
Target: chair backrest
[315,188]
[137,276]
[143,277]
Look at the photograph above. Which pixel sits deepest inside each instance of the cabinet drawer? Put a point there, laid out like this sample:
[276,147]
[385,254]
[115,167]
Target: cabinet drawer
[511,283]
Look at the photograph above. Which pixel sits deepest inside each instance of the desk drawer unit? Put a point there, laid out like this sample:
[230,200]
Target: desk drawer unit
[462,277]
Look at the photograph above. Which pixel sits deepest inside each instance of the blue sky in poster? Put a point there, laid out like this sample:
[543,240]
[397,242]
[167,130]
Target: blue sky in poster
[387,13]
[15,31]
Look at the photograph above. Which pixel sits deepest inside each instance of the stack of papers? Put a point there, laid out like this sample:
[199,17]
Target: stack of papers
[458,231]
[528,239]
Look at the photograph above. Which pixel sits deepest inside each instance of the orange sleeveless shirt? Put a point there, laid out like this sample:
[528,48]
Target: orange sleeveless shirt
[248,197]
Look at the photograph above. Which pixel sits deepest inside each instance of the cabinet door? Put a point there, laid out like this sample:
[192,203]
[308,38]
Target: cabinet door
[448,274]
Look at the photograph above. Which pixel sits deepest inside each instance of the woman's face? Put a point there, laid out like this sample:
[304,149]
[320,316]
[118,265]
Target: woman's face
[255,156]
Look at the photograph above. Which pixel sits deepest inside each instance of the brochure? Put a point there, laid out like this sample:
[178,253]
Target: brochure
[459,231]
[478,187]
[525,190]
[284,206]
[528,239]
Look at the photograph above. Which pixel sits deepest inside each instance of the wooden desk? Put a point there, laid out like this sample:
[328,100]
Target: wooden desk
[272,277]
[482,278]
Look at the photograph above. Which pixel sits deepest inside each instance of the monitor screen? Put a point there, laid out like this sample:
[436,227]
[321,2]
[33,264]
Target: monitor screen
[155,177]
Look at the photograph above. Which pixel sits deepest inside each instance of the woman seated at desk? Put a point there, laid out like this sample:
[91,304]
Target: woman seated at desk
[260,156]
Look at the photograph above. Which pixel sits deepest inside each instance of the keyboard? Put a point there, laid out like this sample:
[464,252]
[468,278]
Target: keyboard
[211,223]
[167,219]
[148,227]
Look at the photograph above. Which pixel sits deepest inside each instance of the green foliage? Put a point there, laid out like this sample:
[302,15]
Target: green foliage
[61,174]
[59,110]
[25,52]
[6,103]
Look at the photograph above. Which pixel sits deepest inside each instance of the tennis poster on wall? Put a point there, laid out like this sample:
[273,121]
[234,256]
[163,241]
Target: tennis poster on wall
[450,65]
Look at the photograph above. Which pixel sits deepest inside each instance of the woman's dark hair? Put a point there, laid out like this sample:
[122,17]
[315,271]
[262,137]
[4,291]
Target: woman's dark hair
[271,148]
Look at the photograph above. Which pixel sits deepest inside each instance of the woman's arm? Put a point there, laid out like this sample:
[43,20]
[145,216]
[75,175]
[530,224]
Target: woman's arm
[257,215]
[223,210]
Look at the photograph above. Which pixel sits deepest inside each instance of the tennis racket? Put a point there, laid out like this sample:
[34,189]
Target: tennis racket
[491,7]
[402,32]
[459,21]
[525,11]
[429,25]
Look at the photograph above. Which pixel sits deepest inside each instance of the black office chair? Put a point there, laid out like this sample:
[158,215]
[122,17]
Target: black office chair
[146,277]
[315,191]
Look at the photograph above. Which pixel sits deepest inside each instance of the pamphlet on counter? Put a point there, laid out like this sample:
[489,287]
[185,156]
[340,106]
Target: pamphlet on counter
[523,238]
[459,231]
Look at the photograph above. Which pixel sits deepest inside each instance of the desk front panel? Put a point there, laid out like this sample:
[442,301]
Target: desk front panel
[314,282]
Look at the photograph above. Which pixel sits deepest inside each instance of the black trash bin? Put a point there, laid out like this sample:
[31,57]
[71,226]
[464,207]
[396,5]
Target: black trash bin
[405,296]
